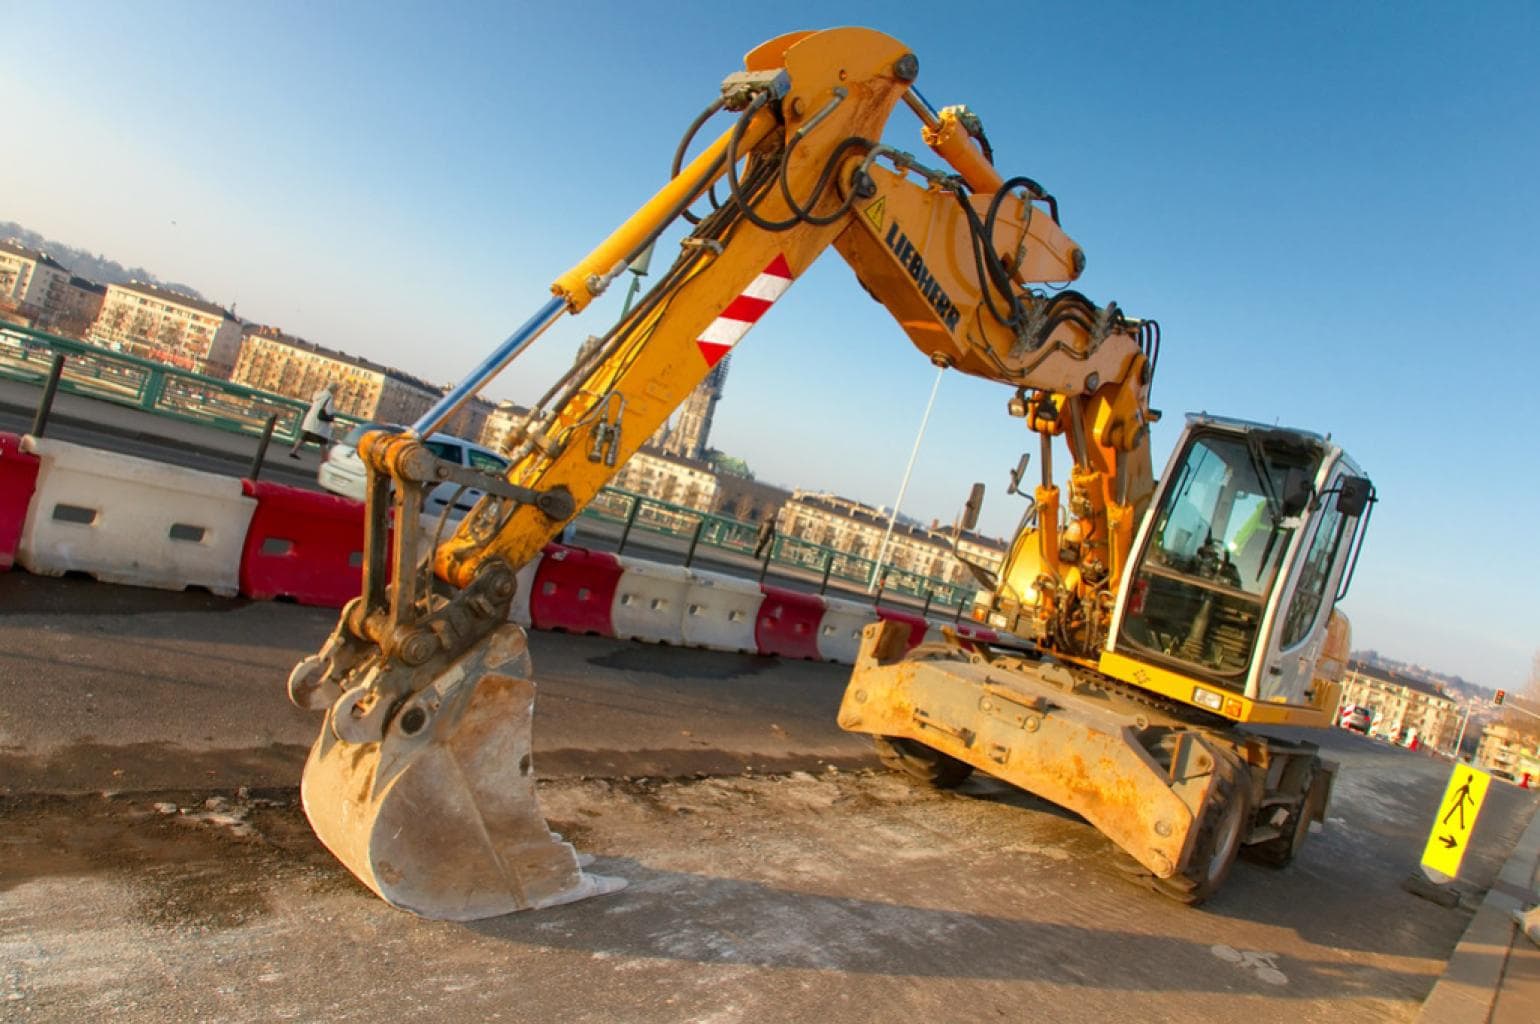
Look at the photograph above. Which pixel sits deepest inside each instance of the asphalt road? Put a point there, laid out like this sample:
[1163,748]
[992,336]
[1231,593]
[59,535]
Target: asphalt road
[773,876]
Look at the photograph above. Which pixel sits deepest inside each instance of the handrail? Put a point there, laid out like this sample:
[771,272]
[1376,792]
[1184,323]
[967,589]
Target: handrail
[94,371]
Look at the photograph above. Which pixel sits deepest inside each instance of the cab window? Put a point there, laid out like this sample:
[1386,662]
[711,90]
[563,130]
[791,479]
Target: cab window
[1308,596]
[1204,578]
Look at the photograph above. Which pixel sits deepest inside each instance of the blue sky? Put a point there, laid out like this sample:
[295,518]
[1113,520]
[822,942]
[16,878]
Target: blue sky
[1330,208]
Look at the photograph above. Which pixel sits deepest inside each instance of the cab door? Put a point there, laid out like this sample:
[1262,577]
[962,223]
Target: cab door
[1300,613]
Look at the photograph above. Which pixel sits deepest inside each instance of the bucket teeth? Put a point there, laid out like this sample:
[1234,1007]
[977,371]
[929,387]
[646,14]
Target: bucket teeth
[440,816]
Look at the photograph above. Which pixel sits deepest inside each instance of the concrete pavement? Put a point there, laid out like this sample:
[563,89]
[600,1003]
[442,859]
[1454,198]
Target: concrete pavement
[1493,976]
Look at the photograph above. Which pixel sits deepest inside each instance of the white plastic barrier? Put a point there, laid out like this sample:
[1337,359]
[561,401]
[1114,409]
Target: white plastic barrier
[650,601]
[839,631]
[719,612]
[129,520]
[525,577]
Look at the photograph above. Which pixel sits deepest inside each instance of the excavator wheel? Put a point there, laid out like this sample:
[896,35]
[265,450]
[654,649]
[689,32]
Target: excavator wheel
[921,763]
[1226,817]
[1280,851]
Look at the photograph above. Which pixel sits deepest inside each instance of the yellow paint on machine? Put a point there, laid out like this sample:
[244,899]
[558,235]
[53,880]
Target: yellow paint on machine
[1455,821]
[1233,706]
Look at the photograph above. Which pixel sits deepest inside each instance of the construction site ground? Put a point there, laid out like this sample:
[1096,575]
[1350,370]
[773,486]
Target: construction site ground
[155,865]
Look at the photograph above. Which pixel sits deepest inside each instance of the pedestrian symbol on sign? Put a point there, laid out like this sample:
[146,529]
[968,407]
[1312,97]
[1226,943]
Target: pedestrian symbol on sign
[1461,798]
[1456,818]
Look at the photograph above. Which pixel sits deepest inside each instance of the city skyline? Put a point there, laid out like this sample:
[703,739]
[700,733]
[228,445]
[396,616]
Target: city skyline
[1325,208]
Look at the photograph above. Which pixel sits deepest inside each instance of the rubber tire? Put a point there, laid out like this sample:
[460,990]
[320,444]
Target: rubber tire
[1280,851]
[1225,822]
[921,763]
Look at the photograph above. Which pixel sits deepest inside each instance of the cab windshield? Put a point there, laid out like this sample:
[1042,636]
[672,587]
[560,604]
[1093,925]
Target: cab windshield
[1214,555]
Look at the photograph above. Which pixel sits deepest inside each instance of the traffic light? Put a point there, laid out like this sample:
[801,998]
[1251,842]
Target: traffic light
[1498,697]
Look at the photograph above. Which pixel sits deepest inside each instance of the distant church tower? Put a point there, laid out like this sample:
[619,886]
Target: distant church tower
[686,439]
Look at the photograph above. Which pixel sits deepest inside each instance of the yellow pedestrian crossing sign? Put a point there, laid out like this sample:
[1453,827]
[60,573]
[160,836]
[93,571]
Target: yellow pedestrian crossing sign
[1455,821]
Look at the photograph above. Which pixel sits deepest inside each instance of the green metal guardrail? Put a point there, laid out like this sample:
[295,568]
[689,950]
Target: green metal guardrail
[122,379]
[637,512]
[26,355]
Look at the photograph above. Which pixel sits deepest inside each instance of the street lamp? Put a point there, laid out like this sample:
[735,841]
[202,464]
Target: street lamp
[882,549]
[638,268]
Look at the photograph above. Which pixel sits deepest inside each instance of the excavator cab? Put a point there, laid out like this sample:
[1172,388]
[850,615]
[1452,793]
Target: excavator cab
[1250,541]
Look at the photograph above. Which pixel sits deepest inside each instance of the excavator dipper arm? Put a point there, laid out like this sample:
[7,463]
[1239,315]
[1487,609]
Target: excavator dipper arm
[421,781]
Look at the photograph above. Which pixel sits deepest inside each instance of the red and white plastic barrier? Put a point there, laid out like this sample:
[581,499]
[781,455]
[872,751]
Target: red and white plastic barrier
[574,591]
[650,602]
[18,479]
[721,613]
[64,507]
[302,545]
[129,520]
[839,632]
[787,624]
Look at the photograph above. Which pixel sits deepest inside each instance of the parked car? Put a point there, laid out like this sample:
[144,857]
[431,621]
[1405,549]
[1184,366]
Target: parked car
[1357,719]
[342,471]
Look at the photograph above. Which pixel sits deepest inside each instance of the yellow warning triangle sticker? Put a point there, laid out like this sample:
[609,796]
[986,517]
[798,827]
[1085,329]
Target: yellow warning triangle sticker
[874,212]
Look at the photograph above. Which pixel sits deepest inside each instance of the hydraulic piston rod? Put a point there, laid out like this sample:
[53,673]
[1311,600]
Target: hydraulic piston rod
[490,367]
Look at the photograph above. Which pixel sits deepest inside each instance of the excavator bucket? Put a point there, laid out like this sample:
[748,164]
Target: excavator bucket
[440,816]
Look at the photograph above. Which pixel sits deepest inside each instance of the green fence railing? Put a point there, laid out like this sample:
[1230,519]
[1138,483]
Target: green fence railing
[96,372]
[635,512]
[26,354]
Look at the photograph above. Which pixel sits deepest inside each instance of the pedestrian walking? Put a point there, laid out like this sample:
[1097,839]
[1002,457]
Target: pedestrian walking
[766,537]
[317,424]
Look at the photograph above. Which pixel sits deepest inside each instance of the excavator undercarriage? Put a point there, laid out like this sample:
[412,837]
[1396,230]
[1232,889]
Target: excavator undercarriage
[1180,792]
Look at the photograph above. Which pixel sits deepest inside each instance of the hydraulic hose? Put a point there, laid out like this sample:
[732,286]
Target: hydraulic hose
[684,145]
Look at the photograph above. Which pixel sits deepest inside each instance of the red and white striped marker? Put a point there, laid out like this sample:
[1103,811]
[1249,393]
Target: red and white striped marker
[744,312]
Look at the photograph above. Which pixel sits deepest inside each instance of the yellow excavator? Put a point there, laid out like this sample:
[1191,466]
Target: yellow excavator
[1133,632]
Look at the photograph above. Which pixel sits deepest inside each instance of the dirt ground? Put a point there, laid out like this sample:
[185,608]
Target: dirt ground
[773,876]
[844,896]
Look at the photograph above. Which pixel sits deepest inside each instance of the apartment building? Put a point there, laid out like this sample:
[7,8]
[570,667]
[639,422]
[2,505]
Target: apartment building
[858,529]
[80,303]
[668,478]
[157,323]
[501,421]
[1506,749]
[32,283]
[271,360]
[1404,709]
[283,364]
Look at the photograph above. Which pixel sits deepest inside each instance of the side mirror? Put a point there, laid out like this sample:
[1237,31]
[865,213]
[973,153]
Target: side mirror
[1354,495]
[1298,492]
[970,516]
[1018,473]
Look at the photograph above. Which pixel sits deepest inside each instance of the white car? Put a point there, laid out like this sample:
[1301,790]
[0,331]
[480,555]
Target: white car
[342,471]
[1357,719]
